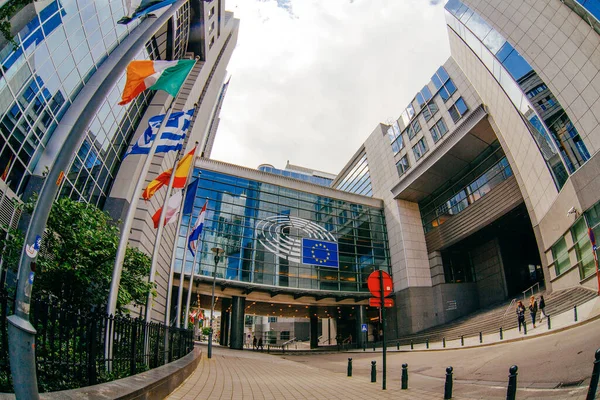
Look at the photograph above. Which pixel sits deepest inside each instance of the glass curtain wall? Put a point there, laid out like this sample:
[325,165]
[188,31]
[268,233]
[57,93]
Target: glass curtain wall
[358,178]
[550,126]
[260,226]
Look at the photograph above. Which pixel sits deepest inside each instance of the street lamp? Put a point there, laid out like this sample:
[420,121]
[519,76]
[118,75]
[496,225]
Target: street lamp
[217,251]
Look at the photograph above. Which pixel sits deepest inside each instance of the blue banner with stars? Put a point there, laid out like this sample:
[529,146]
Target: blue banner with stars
[319,252]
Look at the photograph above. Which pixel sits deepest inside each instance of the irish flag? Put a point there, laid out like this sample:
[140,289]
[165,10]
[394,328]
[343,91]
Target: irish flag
[155,75]
[181,174]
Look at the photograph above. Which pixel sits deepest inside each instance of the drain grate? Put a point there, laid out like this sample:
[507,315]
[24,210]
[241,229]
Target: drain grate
[569,384]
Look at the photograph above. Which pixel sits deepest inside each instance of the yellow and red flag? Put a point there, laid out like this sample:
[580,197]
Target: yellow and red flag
[181,173]
[155,75]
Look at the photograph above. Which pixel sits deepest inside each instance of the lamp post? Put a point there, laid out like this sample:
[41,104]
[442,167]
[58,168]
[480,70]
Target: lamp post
[217,251]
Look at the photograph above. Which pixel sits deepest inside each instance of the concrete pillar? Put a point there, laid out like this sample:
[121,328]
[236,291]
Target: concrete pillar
[361,318]
[238,305]
[314,327]
[224,336]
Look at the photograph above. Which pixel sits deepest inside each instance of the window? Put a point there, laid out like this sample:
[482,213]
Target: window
[416,126]
[546,103]
[419,149]
[536,90]
[211,12]
[397,145]
[212,27]
[423,96]
[560,256]
[212,42]
[458,109]
[439,78]
[402,165]
[448,90]
[438,130]
[272,319]
[284,335]
[410,131]
[583,248]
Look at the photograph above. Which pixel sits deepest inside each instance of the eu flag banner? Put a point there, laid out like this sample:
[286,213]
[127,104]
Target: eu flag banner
[319,252]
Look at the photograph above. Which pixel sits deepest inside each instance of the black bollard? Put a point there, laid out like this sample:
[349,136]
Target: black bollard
[373,346]
[444,342]
[501,337]
[427,343]
[480,338]
[448,385]
[575,312]
[404,376]
[373,371]
[397,345]
[511,392]
[549,324]
[349,366]
[595,375]
[411,345]
[524,328]
[462,340]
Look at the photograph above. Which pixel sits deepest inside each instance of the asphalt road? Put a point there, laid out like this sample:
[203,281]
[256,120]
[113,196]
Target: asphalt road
[545,363]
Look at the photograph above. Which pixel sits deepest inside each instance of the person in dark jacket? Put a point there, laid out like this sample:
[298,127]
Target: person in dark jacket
[520,314]
[542,308]
[533,308]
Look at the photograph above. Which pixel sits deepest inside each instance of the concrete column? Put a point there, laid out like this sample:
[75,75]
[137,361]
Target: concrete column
[224,336]
[314,327]
[238,305]
[361,318]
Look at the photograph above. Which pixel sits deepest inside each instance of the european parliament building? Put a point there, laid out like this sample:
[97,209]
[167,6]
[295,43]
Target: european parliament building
[485,186]
[68,56]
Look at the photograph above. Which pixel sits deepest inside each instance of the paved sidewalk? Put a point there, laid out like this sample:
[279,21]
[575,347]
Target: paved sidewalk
[234,374]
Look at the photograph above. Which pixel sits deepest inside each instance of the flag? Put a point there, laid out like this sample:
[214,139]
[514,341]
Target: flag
[195,235]
[173,206]
[172,137]
[155,75]
[319,252]
[190,196]
[136,9]
[181,173]
[5,173]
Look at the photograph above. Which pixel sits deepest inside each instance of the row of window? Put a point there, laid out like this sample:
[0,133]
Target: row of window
[358,179]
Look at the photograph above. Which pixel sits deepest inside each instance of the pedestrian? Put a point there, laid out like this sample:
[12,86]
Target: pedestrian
[533,308]
[520,314]
[260,344]
[542,308]
[254,346]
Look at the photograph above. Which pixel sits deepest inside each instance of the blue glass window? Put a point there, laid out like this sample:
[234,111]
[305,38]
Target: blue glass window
[402,166]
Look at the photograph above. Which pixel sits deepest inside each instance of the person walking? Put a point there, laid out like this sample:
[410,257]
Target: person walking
[533,309]
[542,308]
[254,346]
[260,344]
[520,314]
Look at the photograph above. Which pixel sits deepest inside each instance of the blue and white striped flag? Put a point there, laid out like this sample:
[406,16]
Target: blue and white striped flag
[171,138]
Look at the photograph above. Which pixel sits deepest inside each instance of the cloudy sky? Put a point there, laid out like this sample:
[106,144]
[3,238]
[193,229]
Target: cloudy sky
[311,79]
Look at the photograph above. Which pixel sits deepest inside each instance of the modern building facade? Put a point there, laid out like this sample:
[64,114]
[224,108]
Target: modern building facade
[66,71]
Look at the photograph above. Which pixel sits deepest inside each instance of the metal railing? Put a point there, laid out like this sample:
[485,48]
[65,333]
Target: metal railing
[69,345]
[511,306]
[532,291]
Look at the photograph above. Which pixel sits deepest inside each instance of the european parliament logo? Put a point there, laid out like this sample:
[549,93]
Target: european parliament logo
[319,252]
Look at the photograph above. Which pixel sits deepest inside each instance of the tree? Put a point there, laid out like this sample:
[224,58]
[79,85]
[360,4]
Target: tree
[76,259]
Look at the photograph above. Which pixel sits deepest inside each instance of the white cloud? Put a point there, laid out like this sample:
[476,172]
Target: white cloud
[311,79]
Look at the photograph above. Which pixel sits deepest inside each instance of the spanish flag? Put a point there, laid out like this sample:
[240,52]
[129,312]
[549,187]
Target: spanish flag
[181,173]
[155,75]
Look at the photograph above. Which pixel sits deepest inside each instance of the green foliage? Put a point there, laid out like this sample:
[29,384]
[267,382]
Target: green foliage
[8,11]
[206,331]
[76,260]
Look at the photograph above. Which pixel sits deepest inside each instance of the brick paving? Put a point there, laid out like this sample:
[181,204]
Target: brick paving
[237,375]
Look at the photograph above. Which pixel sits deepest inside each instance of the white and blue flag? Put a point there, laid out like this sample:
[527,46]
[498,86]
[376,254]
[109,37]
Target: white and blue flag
[195,235]
[172,137]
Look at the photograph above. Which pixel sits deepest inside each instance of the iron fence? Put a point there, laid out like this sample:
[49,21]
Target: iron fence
[70,345]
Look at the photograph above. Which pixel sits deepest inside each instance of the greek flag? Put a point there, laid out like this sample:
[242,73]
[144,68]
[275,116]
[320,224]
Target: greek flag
[171,138]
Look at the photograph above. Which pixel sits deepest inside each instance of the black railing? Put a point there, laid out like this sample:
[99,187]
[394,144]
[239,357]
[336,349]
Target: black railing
[70,345]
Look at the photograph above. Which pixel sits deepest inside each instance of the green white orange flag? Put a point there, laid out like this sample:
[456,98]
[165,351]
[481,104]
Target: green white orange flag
[181,174]
[155,75]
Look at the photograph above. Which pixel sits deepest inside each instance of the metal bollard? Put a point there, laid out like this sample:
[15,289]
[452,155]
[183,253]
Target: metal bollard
[480,338]
[595,375]
[373,346]
[501,337]
[462,340]
[549,324]
[404,376]
[397,345]
[373,371]
[349,366]
[511,392]
[448,385]
[444,342]
[524,328]
[411,345]
[427,343]
[575,311]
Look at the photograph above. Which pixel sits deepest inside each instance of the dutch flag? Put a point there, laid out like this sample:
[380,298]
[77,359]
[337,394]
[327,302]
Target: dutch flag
[172,137]
[195,235]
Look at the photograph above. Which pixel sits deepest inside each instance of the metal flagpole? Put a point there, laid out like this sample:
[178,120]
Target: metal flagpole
[182,278]
[189,295]
[172,269]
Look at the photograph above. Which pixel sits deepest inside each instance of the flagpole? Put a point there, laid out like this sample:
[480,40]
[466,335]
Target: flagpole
[189,295]
[174,252]
[182,277]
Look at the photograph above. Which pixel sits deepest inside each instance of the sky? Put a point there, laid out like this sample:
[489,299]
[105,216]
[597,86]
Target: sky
[311,79]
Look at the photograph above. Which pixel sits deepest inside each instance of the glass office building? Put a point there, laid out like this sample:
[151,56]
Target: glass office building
[261,226]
